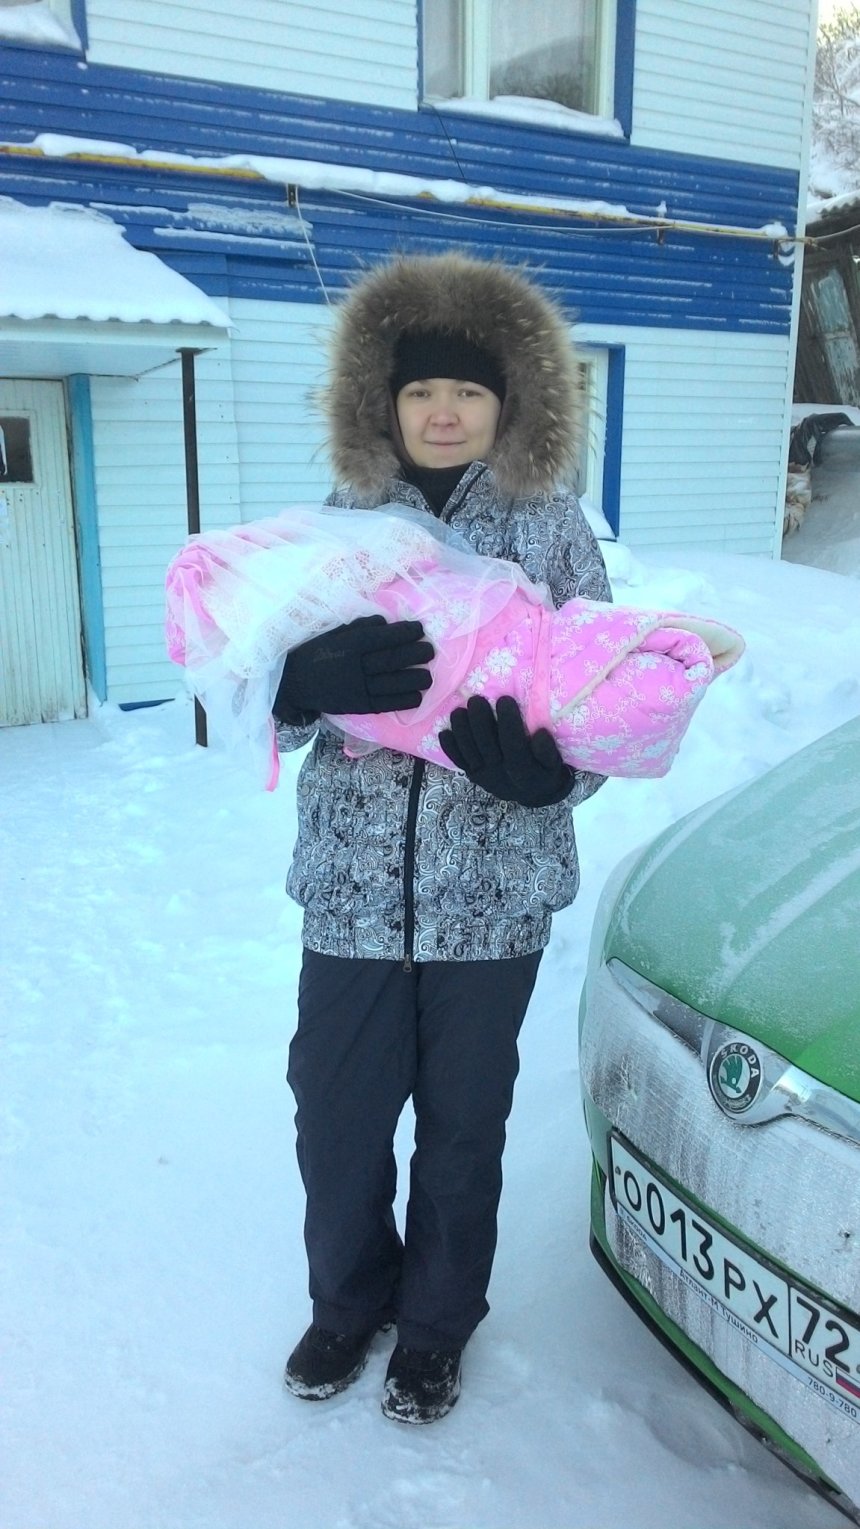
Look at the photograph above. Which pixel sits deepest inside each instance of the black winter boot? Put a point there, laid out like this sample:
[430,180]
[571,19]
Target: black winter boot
[421,1387]
[324,1363]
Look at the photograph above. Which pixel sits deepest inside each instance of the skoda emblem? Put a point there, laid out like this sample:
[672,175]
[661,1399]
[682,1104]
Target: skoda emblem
[735,1076]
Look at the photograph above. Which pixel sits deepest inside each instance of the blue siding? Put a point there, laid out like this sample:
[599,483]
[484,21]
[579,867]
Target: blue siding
[42,92]
[603,275]
[619,277]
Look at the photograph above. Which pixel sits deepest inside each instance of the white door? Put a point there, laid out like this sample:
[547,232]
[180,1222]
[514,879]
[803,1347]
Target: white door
[41,657]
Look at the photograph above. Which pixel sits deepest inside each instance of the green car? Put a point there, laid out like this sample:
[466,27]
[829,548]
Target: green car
[720,1065]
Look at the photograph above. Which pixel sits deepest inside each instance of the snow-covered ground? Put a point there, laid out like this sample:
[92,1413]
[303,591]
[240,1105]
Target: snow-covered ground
[154,1277]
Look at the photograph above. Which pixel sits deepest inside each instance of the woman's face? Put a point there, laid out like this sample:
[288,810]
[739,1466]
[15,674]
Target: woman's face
[446,423]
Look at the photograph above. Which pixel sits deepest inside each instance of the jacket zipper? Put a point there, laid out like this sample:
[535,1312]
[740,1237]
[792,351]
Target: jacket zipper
[450,509]
[409,866]
[412,808]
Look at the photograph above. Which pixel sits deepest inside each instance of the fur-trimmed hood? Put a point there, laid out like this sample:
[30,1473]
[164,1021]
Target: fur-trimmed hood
[495,306]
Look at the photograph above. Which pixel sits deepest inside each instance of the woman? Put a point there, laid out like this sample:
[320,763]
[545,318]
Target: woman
[428,893]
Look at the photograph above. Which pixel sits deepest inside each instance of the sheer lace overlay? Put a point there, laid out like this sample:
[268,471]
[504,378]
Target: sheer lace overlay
[617,686]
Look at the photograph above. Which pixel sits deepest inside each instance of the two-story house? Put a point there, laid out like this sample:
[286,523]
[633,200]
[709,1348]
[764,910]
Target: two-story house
[206,178]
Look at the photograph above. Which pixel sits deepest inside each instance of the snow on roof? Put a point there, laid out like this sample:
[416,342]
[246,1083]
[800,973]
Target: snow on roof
[319,175]
[820,209]
[356,180]
[68,262]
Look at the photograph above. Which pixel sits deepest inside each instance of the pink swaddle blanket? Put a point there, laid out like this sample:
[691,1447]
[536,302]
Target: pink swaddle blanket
[616,686]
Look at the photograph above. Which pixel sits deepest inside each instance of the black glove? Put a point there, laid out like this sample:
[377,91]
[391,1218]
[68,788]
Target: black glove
[367,665]
[497,753]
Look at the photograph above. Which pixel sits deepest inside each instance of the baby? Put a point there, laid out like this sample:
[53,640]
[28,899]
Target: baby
[616,686]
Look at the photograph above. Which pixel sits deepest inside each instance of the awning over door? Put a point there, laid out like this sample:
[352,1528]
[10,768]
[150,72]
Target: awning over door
[76,297]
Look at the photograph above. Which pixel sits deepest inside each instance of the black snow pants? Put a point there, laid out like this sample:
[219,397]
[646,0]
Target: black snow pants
[370,1035]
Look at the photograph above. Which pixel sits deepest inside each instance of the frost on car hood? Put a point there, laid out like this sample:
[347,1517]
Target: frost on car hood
[749,910]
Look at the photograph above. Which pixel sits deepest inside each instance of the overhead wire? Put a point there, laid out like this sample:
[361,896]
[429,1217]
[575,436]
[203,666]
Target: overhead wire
[480,218]
[304,232]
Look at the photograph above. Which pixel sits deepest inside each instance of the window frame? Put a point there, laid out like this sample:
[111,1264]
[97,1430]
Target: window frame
[617,30]
[600,485]
[592,447]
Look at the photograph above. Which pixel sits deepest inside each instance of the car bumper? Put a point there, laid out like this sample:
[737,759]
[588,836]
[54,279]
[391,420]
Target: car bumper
[787,1188]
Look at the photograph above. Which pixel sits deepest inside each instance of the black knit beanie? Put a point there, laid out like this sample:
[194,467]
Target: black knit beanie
[433,353]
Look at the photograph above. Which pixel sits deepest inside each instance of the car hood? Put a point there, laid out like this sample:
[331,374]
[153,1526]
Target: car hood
[749,910]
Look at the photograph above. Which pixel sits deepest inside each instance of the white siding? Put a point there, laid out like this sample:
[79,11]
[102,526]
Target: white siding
[140,494]
[349,50]
[259,449]
[724,78]
[278,358]
[704,438]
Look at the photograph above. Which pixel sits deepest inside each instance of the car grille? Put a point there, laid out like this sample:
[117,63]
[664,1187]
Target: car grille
[788,1187]
[783,1089]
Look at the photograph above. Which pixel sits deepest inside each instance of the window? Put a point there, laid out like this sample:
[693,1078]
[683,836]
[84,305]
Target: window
[16,460]
[588,478]
[40,23]
[597,479]
[531,50]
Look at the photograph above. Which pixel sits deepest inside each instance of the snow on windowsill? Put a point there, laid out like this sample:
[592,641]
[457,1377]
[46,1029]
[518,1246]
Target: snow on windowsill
[534,111]
[37,23]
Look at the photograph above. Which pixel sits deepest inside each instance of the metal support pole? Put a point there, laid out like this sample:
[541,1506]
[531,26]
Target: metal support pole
[192,489]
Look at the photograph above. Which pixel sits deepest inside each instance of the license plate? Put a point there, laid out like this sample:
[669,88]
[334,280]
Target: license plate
[786,1320]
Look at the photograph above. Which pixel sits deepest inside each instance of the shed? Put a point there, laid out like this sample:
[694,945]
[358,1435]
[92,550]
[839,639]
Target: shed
[828,348]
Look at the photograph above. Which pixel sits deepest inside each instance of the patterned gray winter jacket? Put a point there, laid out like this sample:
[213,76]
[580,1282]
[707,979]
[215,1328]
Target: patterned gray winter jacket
[401,860]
